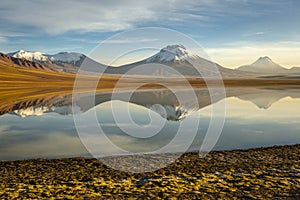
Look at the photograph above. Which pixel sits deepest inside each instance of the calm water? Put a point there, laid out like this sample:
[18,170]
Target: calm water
[255,117]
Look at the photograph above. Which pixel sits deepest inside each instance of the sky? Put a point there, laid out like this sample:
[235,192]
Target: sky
[231,32]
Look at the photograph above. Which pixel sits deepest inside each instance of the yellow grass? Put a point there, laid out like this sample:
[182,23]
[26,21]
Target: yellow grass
[22,84]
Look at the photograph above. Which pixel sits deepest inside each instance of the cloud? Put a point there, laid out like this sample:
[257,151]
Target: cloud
[130,41]
[67,15]
[86,16]
[3,39]
[8,33]
[254,34]
[62,49]
[112,41]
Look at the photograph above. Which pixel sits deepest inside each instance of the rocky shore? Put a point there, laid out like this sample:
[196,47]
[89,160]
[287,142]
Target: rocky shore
[263,173]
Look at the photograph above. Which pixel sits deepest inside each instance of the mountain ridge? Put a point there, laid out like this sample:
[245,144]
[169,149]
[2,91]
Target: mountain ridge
[178,58]
[68,62]
[17,62]
[175,56]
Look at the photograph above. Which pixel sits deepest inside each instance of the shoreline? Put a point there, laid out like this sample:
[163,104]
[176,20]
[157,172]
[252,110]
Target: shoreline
[256,173]
[88,156]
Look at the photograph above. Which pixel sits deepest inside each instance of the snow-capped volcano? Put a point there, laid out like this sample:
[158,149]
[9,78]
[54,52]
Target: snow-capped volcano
[264,65]
[31,56]
[177,60]
[172,53]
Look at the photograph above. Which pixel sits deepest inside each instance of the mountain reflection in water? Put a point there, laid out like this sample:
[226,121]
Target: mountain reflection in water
[155,100]
[44,127]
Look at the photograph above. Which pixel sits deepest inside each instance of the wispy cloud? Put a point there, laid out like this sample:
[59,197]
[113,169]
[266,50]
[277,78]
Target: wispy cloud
[78,15]
[3,39]
[9,33]
[130,41]
[85,40]
[254,34]
[93,15]
[68,49]
[112,41]
[42,25]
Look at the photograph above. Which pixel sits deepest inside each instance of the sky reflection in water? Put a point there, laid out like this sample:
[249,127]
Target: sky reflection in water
[253,119]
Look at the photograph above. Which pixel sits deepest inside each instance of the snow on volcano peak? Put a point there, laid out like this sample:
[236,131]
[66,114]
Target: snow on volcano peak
[172,53]
[177,49]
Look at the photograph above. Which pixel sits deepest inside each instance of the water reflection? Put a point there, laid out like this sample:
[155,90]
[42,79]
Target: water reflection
[44,127]
[157,100]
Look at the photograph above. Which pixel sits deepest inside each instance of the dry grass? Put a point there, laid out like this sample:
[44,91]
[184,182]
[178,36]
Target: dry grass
[22,84]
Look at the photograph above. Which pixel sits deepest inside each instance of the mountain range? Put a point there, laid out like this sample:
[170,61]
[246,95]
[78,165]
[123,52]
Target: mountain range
[177,57]
[10,61]
[68,62]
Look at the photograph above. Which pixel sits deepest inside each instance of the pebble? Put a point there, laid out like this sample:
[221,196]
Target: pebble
[250,174]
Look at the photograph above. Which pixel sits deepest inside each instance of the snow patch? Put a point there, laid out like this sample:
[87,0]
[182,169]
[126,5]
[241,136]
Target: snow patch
[66,57]
[31,56]
[172,53]
[31,111]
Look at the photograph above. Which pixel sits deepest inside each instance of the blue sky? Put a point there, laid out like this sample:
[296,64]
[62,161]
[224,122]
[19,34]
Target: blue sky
[232,32]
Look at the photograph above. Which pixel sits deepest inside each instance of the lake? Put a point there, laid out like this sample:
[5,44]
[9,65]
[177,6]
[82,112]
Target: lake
[45,127]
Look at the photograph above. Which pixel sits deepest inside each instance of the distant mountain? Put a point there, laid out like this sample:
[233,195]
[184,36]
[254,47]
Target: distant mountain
[65,61]
[295,70]
[69,62]
[266,65]
[178,58]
